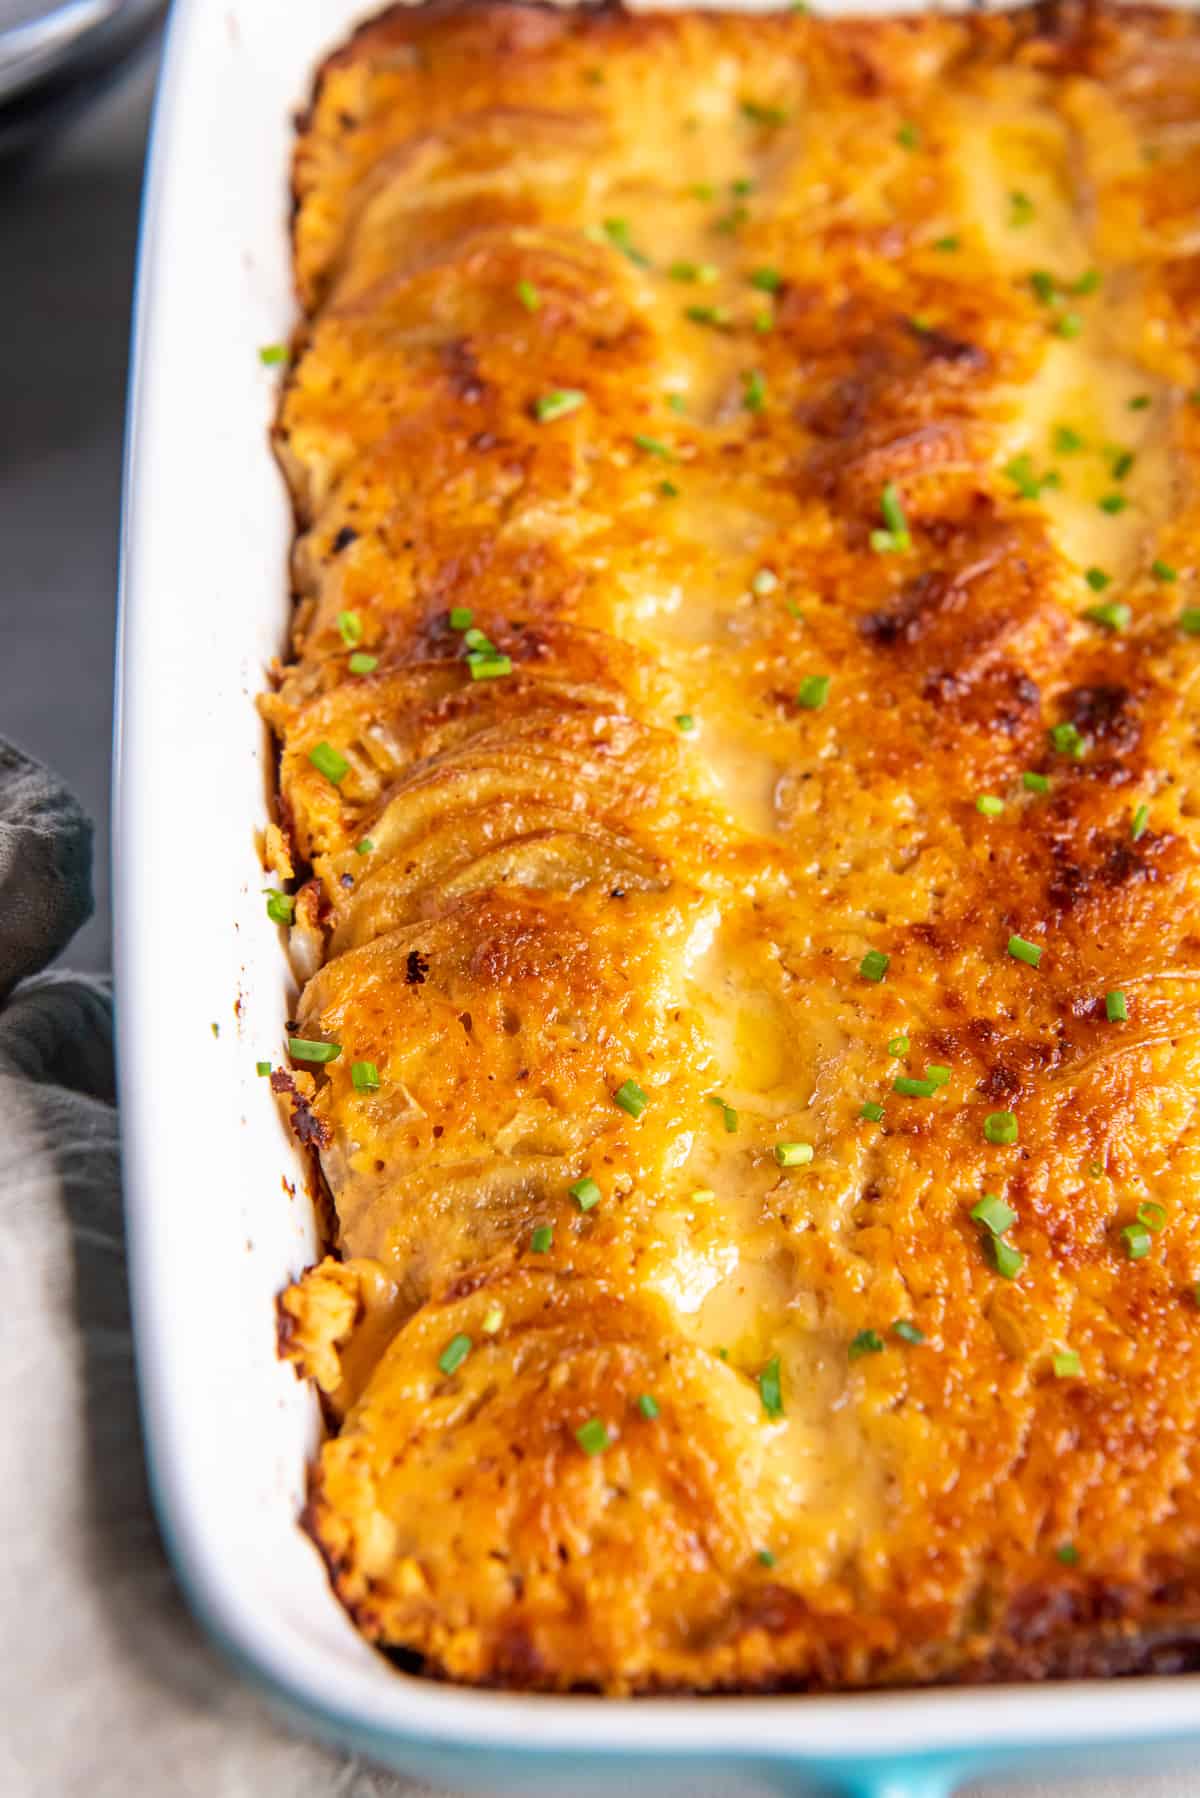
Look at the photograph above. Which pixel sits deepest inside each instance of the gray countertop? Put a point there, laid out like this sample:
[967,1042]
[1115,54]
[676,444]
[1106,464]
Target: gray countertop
[68,232]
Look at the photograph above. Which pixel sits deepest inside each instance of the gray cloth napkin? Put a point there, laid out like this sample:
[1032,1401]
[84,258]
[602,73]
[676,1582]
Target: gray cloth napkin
[107,1687]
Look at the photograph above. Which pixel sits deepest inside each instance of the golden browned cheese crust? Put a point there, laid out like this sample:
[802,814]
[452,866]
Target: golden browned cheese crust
[805,413]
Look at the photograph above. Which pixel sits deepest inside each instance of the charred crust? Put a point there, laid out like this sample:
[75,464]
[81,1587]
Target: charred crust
[310,1131]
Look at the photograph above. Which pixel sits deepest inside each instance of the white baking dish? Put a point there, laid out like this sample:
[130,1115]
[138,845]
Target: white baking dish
[215,1227]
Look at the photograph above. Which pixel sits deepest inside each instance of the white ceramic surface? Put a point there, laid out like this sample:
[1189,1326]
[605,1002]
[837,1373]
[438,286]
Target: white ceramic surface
[214,1229]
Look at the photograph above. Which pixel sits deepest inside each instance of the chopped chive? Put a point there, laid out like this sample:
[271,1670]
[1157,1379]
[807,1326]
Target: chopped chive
[668,490]
[1066,441]
[947,245]
[867,1342]
[1088,282]
[813,691]
[1006,1260]
[454,1354]
[770,1388]
[731,221]
[793,1154]
[1139,402]
[1022,950]
[704,272]
[630,1097]
[557,404]
[593,1437]
[364,1077]
[685,721]
[363,664]
[1034,783]
[1020,208]
[1141,818]
[899,1045]
[1067,1365]
[874,965]
[764,322]
[281,907]
[1112,503]
[872,1111]
[654,446]
[702,190]
[764,1554]
[1136,1238]
[1115,1008]
[1163,571]
[1020,472]
[893,514]
[648,1405]
[909,1087]
[718,316]
[617,233]
[529,296]
[542,1239]
[989,805]
[1152,1215]
[908,136]
[1067,739]
[758,114]
[1000,1127]
[939,1075]
[304,1048]
[906,1331]
[461,618]
[729,1115]
[1067,324]
[767,280]
[326,760]
[364,846]
[493,1318]
[921,323]
[1068,1554]
[754,394]
[1122,463]
[272,354]
[262,1067]
[1097,580]
[491,665]
[994,1214]
[349,628]
[585,1192]
[479,641]
[741,187]
[1043,285]
[1189,621]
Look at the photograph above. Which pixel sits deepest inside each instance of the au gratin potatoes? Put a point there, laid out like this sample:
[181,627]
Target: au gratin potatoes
[739,817]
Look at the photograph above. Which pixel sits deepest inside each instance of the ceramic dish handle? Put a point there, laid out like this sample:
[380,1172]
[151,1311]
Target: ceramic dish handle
[900,1779]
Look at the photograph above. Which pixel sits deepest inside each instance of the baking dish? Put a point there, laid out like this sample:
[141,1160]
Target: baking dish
[202,617]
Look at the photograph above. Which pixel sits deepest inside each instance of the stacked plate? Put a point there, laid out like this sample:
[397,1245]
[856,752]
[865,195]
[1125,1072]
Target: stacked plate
[53,53]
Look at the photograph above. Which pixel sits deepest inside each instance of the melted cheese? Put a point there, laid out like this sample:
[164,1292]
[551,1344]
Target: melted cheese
[580,941]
